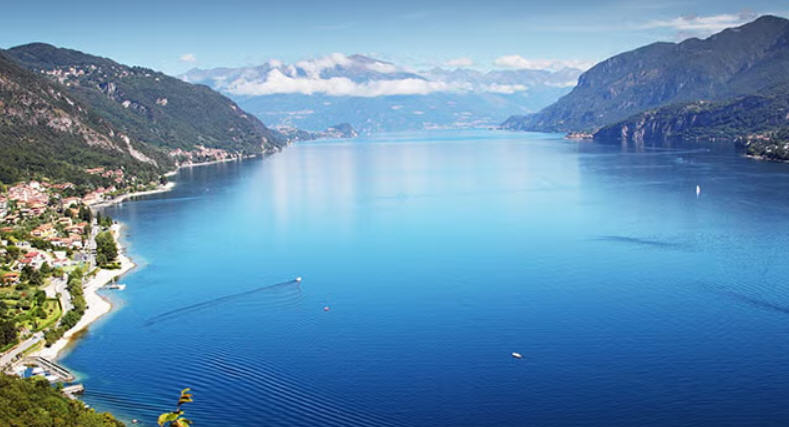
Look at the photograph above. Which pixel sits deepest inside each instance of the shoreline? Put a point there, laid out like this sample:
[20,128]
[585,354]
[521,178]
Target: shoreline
[213,162]
[98,305]
[762,158]
[160,189]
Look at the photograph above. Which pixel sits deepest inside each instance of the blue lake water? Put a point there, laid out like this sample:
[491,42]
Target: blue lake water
[633,301]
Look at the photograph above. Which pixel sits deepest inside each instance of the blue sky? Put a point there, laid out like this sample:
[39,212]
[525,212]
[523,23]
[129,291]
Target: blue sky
[174,36]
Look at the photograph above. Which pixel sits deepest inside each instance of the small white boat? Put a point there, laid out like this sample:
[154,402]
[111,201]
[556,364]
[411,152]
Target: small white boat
[116,286]
[517,355]
[298,279]
[698,190]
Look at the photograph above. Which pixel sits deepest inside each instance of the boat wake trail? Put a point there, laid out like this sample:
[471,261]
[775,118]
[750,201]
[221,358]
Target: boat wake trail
[213,302]
[756,302]
[638,241]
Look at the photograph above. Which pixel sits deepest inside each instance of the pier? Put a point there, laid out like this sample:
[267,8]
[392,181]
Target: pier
[71,390]
[62,373]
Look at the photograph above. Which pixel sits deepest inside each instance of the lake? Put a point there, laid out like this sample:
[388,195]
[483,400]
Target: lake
[427,259]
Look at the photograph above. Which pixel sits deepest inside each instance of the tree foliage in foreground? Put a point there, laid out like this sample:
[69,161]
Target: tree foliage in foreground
[34,403]
[176,417]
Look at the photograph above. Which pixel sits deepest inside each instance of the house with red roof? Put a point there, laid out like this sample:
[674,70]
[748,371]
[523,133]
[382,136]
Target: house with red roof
[10,279]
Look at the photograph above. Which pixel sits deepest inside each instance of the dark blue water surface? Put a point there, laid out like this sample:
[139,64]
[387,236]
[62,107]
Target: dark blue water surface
[633,301]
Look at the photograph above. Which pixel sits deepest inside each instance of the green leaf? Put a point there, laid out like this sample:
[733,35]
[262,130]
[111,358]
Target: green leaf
[168,417]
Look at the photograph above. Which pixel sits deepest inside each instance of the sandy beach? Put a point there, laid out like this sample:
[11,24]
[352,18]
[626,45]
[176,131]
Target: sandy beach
[98,306]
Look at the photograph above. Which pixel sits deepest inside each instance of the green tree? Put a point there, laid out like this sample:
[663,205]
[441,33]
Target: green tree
[45,269]
[8,332]
[106,249]
[32,276]
[32,402]
[40,297]
[12,253]
[85,214]
[176,417]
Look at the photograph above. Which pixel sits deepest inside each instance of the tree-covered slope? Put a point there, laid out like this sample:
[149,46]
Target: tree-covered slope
[737,61]
[739,119]
[45,131]
[34,403]
[150,106]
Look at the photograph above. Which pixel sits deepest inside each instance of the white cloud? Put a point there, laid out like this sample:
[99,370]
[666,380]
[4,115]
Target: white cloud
[460,62]
[519,62]
[382,67]
[277,82]
[702,24]
[568,83]
[309,77]
[314,67]
[188,57]
[504,89]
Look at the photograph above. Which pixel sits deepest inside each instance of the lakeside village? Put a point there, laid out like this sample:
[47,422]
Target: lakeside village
[52,245]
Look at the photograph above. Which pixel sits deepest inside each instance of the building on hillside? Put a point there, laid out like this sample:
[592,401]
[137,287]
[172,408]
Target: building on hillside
[28,194]
[34,259]
[61,262]
[68,201]
[10,279]
[76,228]
[75,241]
[44,231]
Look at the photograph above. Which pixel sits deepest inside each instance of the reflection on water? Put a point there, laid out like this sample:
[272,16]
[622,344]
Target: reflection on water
[633,301]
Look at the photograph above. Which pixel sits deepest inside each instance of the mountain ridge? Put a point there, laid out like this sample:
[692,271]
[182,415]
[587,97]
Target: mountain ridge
[734,62]
[45,131]
[64,112]
[152,107]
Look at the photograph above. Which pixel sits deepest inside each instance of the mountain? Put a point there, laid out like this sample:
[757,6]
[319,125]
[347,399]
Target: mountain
[374,95]
[340,131]
[47,131]
[747,60]
[742,119]
[148,106]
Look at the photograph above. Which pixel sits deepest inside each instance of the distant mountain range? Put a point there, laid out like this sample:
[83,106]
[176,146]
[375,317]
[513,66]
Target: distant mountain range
[342,130]
[374,95]
[732,86]
[63,111]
